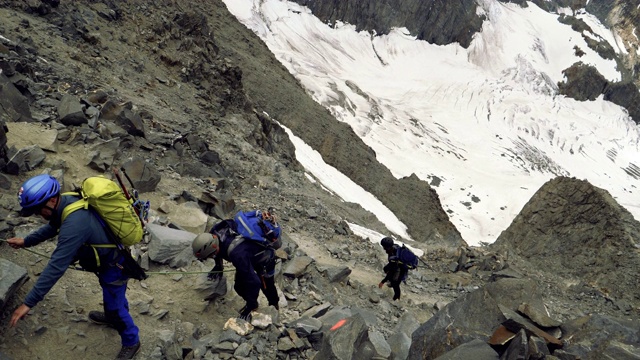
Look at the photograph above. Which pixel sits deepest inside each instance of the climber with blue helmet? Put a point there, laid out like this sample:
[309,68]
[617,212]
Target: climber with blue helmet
[40,195]
[36,194]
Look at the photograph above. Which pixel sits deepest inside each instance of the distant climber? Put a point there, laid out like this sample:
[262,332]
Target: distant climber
[248,241]
[401,260]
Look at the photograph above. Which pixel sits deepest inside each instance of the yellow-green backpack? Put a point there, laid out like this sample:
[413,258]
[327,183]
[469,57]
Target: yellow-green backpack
[107,198]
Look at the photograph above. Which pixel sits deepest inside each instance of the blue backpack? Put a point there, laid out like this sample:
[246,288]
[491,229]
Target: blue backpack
[407,257]
[259,226]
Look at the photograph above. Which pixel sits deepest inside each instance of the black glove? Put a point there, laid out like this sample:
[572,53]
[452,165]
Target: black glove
[215,273]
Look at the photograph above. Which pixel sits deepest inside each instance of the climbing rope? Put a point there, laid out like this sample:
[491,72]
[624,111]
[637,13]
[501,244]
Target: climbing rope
[147,272]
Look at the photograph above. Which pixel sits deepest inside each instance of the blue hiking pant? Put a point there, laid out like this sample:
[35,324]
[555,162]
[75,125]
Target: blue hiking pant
[116,306]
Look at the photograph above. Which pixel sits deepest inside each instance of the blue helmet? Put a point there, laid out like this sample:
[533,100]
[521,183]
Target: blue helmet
[36,191]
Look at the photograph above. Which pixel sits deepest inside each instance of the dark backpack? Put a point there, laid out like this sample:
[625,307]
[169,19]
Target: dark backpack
[407,257]
[255,225]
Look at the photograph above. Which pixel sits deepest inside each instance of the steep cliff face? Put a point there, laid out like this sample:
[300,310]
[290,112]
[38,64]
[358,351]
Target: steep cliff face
[436,21]
[624,18]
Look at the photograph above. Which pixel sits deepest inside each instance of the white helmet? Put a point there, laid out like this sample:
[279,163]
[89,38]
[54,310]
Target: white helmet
[205,245]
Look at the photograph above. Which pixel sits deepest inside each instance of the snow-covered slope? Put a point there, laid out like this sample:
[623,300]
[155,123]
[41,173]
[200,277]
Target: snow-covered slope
[484,125]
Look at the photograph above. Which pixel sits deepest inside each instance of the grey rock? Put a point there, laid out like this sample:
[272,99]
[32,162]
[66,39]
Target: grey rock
[167,243]
[13,105]
[305,326]
[474,349]
[243,350]
[374,347]
[317,311]
[70,111]
[25,159]
[400,339]
[589,227]
[602,336]
[183,258]
[285,344]
[541,318]
[143,174]
[456,22]
[477,315]
[167,340]
[337,274]
[297,266]
[344,342]
[518,347]
[12,277]
[102,154]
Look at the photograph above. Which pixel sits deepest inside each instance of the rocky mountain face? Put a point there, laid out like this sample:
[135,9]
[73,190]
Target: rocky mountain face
[192,104]
[575,229]
[435,21]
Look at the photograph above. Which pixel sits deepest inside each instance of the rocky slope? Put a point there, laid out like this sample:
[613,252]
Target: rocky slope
[183,90]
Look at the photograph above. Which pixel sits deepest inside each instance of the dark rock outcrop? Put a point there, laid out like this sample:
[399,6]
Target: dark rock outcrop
[626,95]
[584,82]
[436,21]
[573,228]
[466,327]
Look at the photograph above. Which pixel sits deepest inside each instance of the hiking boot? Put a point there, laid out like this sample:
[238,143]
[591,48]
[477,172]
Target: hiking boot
[128,352]
[98,317]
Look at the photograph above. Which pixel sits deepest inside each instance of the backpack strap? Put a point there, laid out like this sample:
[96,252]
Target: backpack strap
[95,252]
[235,242]
[77,205]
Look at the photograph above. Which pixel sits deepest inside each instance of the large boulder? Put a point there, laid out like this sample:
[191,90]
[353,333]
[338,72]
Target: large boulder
[13,105]
[143,174]
[12,277]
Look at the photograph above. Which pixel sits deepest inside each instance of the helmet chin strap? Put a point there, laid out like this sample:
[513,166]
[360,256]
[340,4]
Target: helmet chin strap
[55,206]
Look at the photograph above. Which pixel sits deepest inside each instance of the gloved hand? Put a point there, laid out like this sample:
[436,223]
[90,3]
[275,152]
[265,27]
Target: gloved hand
[215,273]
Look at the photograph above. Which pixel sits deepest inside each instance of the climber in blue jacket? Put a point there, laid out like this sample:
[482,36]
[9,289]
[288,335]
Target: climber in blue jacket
[41,195]
[254,263]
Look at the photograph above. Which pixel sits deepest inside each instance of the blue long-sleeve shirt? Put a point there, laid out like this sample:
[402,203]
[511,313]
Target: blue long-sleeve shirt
[79,228]
[243,257]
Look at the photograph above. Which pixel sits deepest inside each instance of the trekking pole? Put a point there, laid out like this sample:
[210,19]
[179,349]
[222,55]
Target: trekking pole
[29,250]
[141,214]
[124,188]
[127,176]
[150,272]
[141,207]
[424,262]
[186,272]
